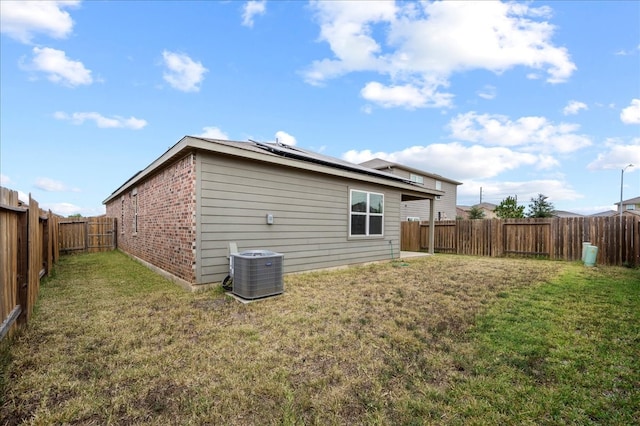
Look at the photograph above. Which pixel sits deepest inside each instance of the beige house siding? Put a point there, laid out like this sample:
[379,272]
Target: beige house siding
[444,207]
[310,211]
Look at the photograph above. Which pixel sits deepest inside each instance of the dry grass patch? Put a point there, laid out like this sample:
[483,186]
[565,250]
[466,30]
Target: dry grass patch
[113,343]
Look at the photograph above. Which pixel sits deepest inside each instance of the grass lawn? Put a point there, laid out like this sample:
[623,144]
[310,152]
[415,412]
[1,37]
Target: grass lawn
[445,339]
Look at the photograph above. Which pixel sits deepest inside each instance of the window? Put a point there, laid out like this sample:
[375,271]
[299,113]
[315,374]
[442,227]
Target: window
[438,185]
[366,214]
[630,206]
[417,179]
[134,195]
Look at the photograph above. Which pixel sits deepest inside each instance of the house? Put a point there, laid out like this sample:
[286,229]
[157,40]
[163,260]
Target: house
[180,214]
[444,205]
[462,212]
[608,213]
[630,206]
[564,213]
[487,208]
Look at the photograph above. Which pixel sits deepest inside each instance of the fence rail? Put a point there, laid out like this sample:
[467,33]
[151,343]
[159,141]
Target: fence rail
[28,250]
[617,239]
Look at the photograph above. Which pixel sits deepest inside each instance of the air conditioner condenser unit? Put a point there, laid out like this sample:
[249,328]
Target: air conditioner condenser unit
[257,273]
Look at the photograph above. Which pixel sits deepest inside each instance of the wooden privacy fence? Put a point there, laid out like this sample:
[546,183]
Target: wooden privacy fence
[617,239]
[28,250]
[87,234]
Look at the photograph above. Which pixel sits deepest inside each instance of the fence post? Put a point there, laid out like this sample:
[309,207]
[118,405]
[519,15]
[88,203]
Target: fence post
[23,265]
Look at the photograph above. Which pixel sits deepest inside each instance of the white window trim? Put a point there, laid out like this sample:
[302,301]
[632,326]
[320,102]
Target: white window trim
[367,214]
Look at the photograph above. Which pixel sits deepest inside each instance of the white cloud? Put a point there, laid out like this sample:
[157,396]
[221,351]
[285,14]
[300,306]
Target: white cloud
[4,179]
[496,191]
[251,9]
[454,160]
[102,121]
[346,26]
[59,68]
[21,20]
[623,52]
[574,107]
[530,133]
[285,138]
[183,73]
[68,209]
[423,44]
[63,209]
[213,133]
[488,92]
[631,114]
[50,185]
[409,96]
[618,154]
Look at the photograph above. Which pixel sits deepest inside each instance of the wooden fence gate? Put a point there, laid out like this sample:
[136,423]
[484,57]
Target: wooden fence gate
[87,234]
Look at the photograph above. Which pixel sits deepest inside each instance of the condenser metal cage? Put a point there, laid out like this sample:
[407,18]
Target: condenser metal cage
[257,273]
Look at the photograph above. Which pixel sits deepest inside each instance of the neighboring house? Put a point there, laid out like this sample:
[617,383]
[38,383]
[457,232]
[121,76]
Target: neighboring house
[631,206]
[444,205]
[462,212]
[487,209]
[180,213]
[607,213]
[562,213]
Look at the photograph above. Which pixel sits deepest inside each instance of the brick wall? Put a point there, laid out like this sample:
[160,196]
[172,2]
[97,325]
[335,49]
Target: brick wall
[166,219]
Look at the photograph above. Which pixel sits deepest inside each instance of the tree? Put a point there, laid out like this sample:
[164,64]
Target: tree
[476,212]
[509,209]
[540,207]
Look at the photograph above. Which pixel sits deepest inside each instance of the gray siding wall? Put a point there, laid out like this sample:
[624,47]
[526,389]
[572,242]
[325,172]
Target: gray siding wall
[311,217]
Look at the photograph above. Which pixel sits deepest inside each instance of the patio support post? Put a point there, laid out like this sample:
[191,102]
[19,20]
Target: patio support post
[432,225]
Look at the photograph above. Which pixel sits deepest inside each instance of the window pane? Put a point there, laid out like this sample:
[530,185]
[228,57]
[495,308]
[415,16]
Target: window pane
[376,203]
[358,224]
[358,201]
[375,225]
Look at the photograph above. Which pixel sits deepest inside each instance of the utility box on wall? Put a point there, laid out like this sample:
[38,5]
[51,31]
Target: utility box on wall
[257,273]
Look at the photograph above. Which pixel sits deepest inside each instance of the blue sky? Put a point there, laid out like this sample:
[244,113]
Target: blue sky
[515,98]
